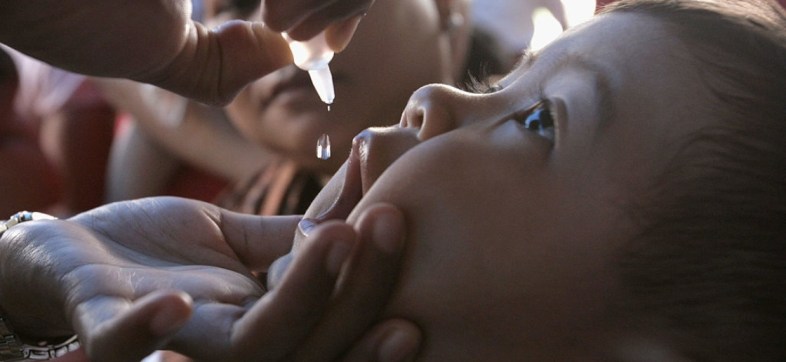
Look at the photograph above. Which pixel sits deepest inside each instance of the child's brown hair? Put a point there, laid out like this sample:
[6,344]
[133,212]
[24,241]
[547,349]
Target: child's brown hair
[708,269]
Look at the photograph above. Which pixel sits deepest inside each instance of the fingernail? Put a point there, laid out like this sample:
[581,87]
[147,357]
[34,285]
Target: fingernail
[277,270]
[387,231]
[341,34]
[397,347]
[339,252]
[304,226]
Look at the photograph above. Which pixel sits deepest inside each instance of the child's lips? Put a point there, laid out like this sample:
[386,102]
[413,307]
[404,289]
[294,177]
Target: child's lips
[373,150]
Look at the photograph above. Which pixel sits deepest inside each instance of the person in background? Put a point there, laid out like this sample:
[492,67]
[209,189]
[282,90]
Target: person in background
[25,165]
[511,21]
[282,117]
[57,131]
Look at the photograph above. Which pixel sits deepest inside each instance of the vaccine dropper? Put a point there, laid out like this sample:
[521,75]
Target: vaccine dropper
[314,55]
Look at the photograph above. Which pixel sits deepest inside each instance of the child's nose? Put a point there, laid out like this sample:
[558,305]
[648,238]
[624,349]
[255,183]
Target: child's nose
[434,109]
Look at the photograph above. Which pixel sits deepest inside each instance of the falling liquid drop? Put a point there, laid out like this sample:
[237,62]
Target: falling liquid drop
[328,108]
[323,147]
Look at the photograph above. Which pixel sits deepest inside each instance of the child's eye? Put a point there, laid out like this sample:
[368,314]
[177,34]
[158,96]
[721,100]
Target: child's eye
[539,119]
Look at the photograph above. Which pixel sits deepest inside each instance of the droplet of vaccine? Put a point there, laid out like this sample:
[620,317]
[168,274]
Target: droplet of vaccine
[323,147]
[328,108]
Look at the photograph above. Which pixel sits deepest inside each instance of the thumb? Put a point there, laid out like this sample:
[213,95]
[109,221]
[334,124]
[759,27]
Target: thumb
[258,240]
[249,50]
[147,325]
[214,65]
[339,34]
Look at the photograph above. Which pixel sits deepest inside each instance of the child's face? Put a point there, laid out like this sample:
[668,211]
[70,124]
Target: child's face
[510,232]
[397,48]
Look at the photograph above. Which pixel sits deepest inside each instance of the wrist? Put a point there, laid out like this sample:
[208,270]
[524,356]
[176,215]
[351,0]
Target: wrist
[13,349]
[12,345]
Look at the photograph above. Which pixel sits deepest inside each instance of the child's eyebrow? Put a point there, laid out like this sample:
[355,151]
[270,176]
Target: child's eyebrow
[567,59]
[527,59]
[523,65]
[602,84]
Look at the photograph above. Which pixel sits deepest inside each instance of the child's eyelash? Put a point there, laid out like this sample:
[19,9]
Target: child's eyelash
[480,86]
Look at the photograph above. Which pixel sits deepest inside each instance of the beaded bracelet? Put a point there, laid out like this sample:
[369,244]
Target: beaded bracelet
[11,347]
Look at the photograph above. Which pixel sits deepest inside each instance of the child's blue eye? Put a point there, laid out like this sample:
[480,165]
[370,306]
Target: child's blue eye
[539,119]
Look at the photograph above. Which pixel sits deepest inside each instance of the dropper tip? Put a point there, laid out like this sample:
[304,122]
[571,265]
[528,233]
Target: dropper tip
[323,83]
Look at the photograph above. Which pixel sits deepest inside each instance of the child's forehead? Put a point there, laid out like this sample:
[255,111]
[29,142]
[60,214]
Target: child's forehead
[608,45]
[627,65]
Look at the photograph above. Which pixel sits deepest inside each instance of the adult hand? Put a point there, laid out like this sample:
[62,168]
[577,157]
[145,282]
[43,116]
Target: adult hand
[152,41]
[169,273]
[363,292]
[303,19]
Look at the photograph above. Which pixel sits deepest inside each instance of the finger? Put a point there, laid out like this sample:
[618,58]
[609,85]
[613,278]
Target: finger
[339,35]
[320,21]
[281,15]
[207,335]
[258,241]
[250,51]
[277,270]
[285,316]
[214,65]
[140,328]
[394,340]
[366,285]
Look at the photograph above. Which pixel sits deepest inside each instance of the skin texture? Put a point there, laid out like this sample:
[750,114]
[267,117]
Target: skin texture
[168,49]
[303,19]
[133,277]
[513,229]
[398,47]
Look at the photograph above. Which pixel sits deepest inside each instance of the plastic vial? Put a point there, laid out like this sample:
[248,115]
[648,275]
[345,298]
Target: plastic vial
[314,55]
